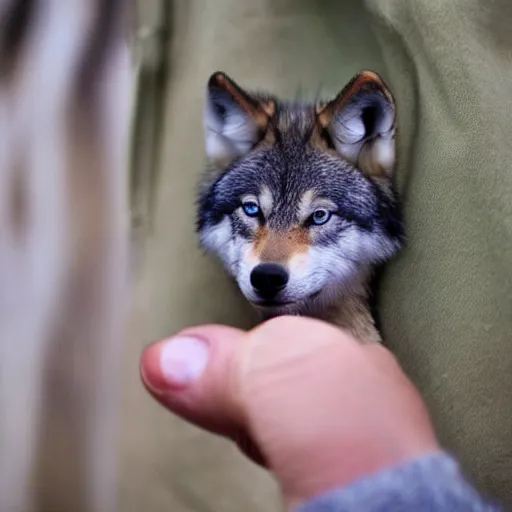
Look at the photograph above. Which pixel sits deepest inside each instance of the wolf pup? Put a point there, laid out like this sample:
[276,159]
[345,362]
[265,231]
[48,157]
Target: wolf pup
[299,201]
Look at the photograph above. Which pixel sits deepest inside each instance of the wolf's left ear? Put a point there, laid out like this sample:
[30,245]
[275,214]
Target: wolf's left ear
[360,122]
[233,120]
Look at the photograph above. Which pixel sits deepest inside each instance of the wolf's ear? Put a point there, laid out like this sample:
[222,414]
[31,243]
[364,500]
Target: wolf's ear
[233,120]
[360,122]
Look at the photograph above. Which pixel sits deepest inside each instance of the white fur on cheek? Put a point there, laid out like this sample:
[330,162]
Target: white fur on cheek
[299,266]
[302,279]
[364,247]
[329,265]
[218,240]
[214,238]
[246,263]
[338,265]
[234,252]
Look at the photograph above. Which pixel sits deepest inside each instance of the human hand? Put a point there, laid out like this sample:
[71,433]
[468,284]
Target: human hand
[298,396]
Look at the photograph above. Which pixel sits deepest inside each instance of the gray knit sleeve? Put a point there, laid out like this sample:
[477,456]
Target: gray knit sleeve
[433,483]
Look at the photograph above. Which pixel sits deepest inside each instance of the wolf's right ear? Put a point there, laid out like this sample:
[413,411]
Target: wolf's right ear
[233,121]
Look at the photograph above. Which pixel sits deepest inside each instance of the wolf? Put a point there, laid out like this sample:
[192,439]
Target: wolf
[299,201]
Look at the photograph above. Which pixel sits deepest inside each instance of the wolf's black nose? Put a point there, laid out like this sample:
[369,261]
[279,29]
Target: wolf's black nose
[268,279]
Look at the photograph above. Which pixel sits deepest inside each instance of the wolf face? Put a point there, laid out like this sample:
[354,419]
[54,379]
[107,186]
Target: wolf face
[298,200]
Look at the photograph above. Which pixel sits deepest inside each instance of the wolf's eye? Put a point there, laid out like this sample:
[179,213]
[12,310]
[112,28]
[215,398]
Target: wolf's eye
[251,209]
[320,217]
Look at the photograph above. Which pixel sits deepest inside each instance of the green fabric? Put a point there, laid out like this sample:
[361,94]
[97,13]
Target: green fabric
[446,302]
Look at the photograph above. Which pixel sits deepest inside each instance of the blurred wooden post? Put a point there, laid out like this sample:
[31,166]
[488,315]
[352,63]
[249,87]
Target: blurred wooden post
[65,94]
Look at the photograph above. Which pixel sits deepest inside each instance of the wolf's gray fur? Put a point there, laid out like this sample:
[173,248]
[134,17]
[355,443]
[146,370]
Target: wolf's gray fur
[298,200]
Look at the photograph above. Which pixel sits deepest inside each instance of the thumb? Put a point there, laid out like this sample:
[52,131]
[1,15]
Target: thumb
[195,375]
[221,378]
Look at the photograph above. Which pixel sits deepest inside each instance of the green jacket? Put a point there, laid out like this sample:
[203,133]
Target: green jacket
[446,302]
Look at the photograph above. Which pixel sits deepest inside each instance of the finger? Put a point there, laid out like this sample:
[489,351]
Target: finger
[194,375]
[198,373]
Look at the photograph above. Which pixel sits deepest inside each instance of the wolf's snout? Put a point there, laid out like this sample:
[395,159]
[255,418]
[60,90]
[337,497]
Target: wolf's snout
[268,279]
